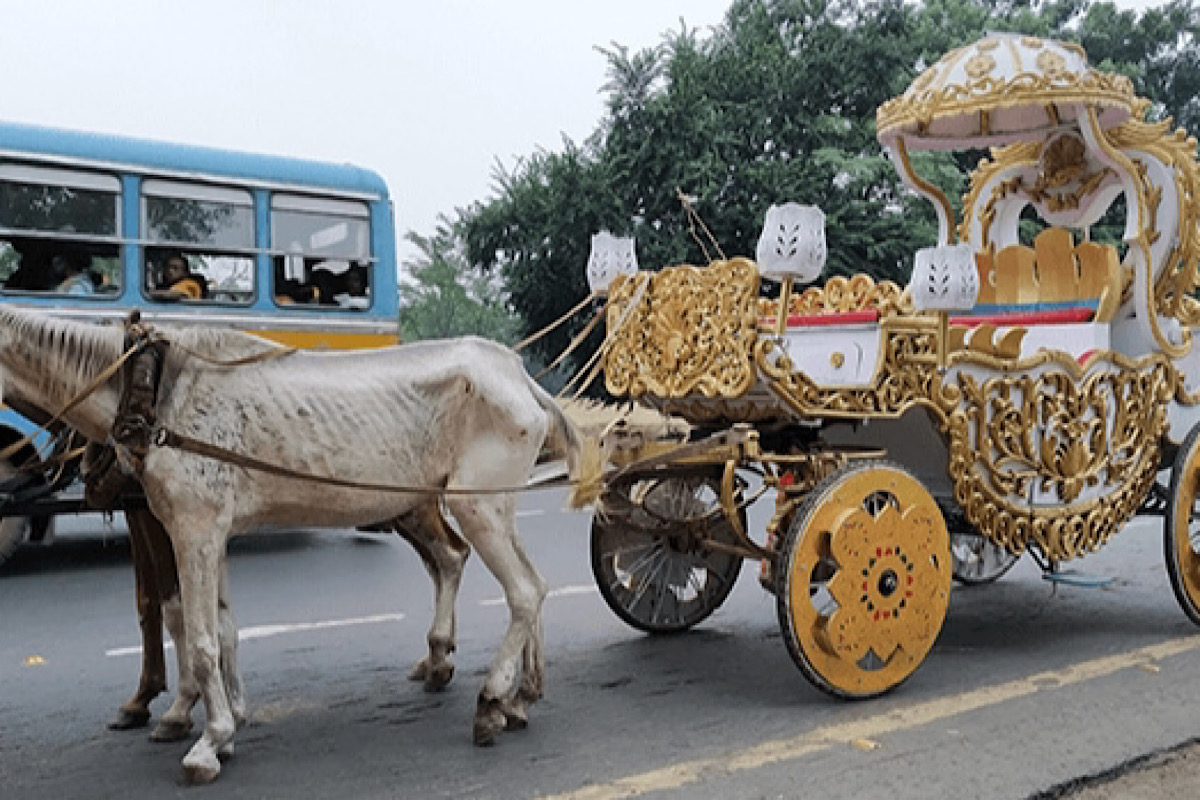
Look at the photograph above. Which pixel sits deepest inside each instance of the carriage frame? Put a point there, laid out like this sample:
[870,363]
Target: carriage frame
[1010,399]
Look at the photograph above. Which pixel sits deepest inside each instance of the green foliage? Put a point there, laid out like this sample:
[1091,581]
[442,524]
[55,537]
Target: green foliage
[10,259]
[447,298]
[778,104]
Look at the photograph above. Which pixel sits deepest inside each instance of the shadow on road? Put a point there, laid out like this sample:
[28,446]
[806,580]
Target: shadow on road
[110,549]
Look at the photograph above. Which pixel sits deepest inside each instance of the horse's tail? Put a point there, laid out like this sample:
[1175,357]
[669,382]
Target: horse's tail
[585,459]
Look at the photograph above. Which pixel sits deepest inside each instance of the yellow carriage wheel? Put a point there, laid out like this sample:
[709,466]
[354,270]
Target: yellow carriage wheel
[865,573]
[1182,530]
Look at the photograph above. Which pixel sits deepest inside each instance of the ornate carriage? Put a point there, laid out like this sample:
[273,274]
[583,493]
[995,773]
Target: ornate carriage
[1011,398]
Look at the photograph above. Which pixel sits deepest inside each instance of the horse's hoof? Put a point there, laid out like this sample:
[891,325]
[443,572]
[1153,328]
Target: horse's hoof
[127,720]
[489,722]
[197,771]
[439,678]
[419,670]
[516,719]
[171,730]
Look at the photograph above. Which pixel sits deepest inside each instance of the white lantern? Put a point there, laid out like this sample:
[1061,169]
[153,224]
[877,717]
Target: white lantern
[611,256]
[945,278]
[792,244]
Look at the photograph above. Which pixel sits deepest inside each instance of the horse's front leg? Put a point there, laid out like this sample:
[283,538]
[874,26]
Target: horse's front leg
[135,712]
[176,724]
[198,555]
[444,554]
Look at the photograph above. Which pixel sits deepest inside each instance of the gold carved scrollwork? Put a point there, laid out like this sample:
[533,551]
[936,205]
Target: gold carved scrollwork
[856,293]
[1003,158]
[983,90]
[1086,441]
[908,375]
[1175,149]
[693,331]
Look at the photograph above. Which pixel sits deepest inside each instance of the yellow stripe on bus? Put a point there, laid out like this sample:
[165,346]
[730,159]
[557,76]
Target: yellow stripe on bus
[327,340]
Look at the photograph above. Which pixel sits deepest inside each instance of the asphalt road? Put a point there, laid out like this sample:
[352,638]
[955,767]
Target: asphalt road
[1031,684]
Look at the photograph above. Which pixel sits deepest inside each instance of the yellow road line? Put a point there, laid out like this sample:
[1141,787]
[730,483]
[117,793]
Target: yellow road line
[792,748]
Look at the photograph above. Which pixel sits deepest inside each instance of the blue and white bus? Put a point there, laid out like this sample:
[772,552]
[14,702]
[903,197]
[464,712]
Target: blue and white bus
[94,226]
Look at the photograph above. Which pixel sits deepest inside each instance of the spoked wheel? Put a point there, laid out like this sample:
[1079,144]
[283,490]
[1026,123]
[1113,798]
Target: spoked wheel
[651,558]
[865,574]
[977,560]
[1181,534]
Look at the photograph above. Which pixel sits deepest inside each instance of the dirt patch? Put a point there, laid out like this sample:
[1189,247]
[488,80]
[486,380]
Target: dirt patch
[1170,775]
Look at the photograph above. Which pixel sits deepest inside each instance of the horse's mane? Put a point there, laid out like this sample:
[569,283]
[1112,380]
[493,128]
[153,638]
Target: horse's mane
[63,354]
[220,344]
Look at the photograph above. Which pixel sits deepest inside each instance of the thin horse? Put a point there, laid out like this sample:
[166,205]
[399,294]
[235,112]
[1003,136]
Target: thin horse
[456,415]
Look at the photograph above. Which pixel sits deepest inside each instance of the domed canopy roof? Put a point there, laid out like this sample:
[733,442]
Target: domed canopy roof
[1002,89]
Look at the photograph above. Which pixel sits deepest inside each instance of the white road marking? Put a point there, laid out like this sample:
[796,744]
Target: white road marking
[266,631]
[564,591]
[533,512]
[680,774]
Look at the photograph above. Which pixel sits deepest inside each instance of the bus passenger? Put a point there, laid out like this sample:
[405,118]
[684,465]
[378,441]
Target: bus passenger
[179,282]
[354,295]
[74,269]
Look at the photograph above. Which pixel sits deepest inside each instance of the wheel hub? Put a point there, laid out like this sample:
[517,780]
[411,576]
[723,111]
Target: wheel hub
[888,583]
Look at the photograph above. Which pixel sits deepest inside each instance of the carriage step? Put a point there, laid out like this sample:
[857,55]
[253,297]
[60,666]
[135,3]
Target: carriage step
[1072,577]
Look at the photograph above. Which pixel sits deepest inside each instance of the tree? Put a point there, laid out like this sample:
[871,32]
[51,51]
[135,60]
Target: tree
[447,298]
[779,104]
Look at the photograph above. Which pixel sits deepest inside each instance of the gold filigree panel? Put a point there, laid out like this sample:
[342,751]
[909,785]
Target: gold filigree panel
[1087,441]
[907,375]
[841,294]
[693,330]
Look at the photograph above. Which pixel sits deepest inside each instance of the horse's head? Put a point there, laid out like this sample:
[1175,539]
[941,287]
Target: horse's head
[48,362]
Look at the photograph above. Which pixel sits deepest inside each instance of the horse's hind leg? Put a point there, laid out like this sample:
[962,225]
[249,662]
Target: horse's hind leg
[135,712]
[444,554]
[228,636]
[489,524]
[176,723]
[533,671]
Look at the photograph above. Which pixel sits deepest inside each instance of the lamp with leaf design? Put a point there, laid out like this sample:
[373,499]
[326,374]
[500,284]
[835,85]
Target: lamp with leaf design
[791,247]
[945,279]
[610,257]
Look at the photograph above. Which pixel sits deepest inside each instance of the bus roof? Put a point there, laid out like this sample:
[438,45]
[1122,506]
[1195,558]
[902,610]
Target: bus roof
[148,156]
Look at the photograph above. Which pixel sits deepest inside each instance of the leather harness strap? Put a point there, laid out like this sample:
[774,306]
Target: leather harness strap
[164,437]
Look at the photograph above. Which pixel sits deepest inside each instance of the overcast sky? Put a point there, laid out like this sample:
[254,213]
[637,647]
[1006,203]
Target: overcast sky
[429,94]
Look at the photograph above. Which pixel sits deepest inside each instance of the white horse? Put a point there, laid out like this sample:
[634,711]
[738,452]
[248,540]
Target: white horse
[458,415]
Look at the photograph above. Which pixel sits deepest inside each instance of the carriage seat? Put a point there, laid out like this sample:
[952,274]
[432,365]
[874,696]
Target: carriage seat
[1055,282]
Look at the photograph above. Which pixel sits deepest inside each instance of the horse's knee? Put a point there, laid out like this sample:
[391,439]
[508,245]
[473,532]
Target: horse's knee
[525,601]
[204,658]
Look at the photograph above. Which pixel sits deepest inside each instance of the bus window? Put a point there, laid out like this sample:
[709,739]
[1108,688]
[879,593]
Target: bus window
[321,252]
[59,231]
[200,242]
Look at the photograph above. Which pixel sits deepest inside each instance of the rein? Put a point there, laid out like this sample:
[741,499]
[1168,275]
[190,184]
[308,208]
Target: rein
[165,437]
